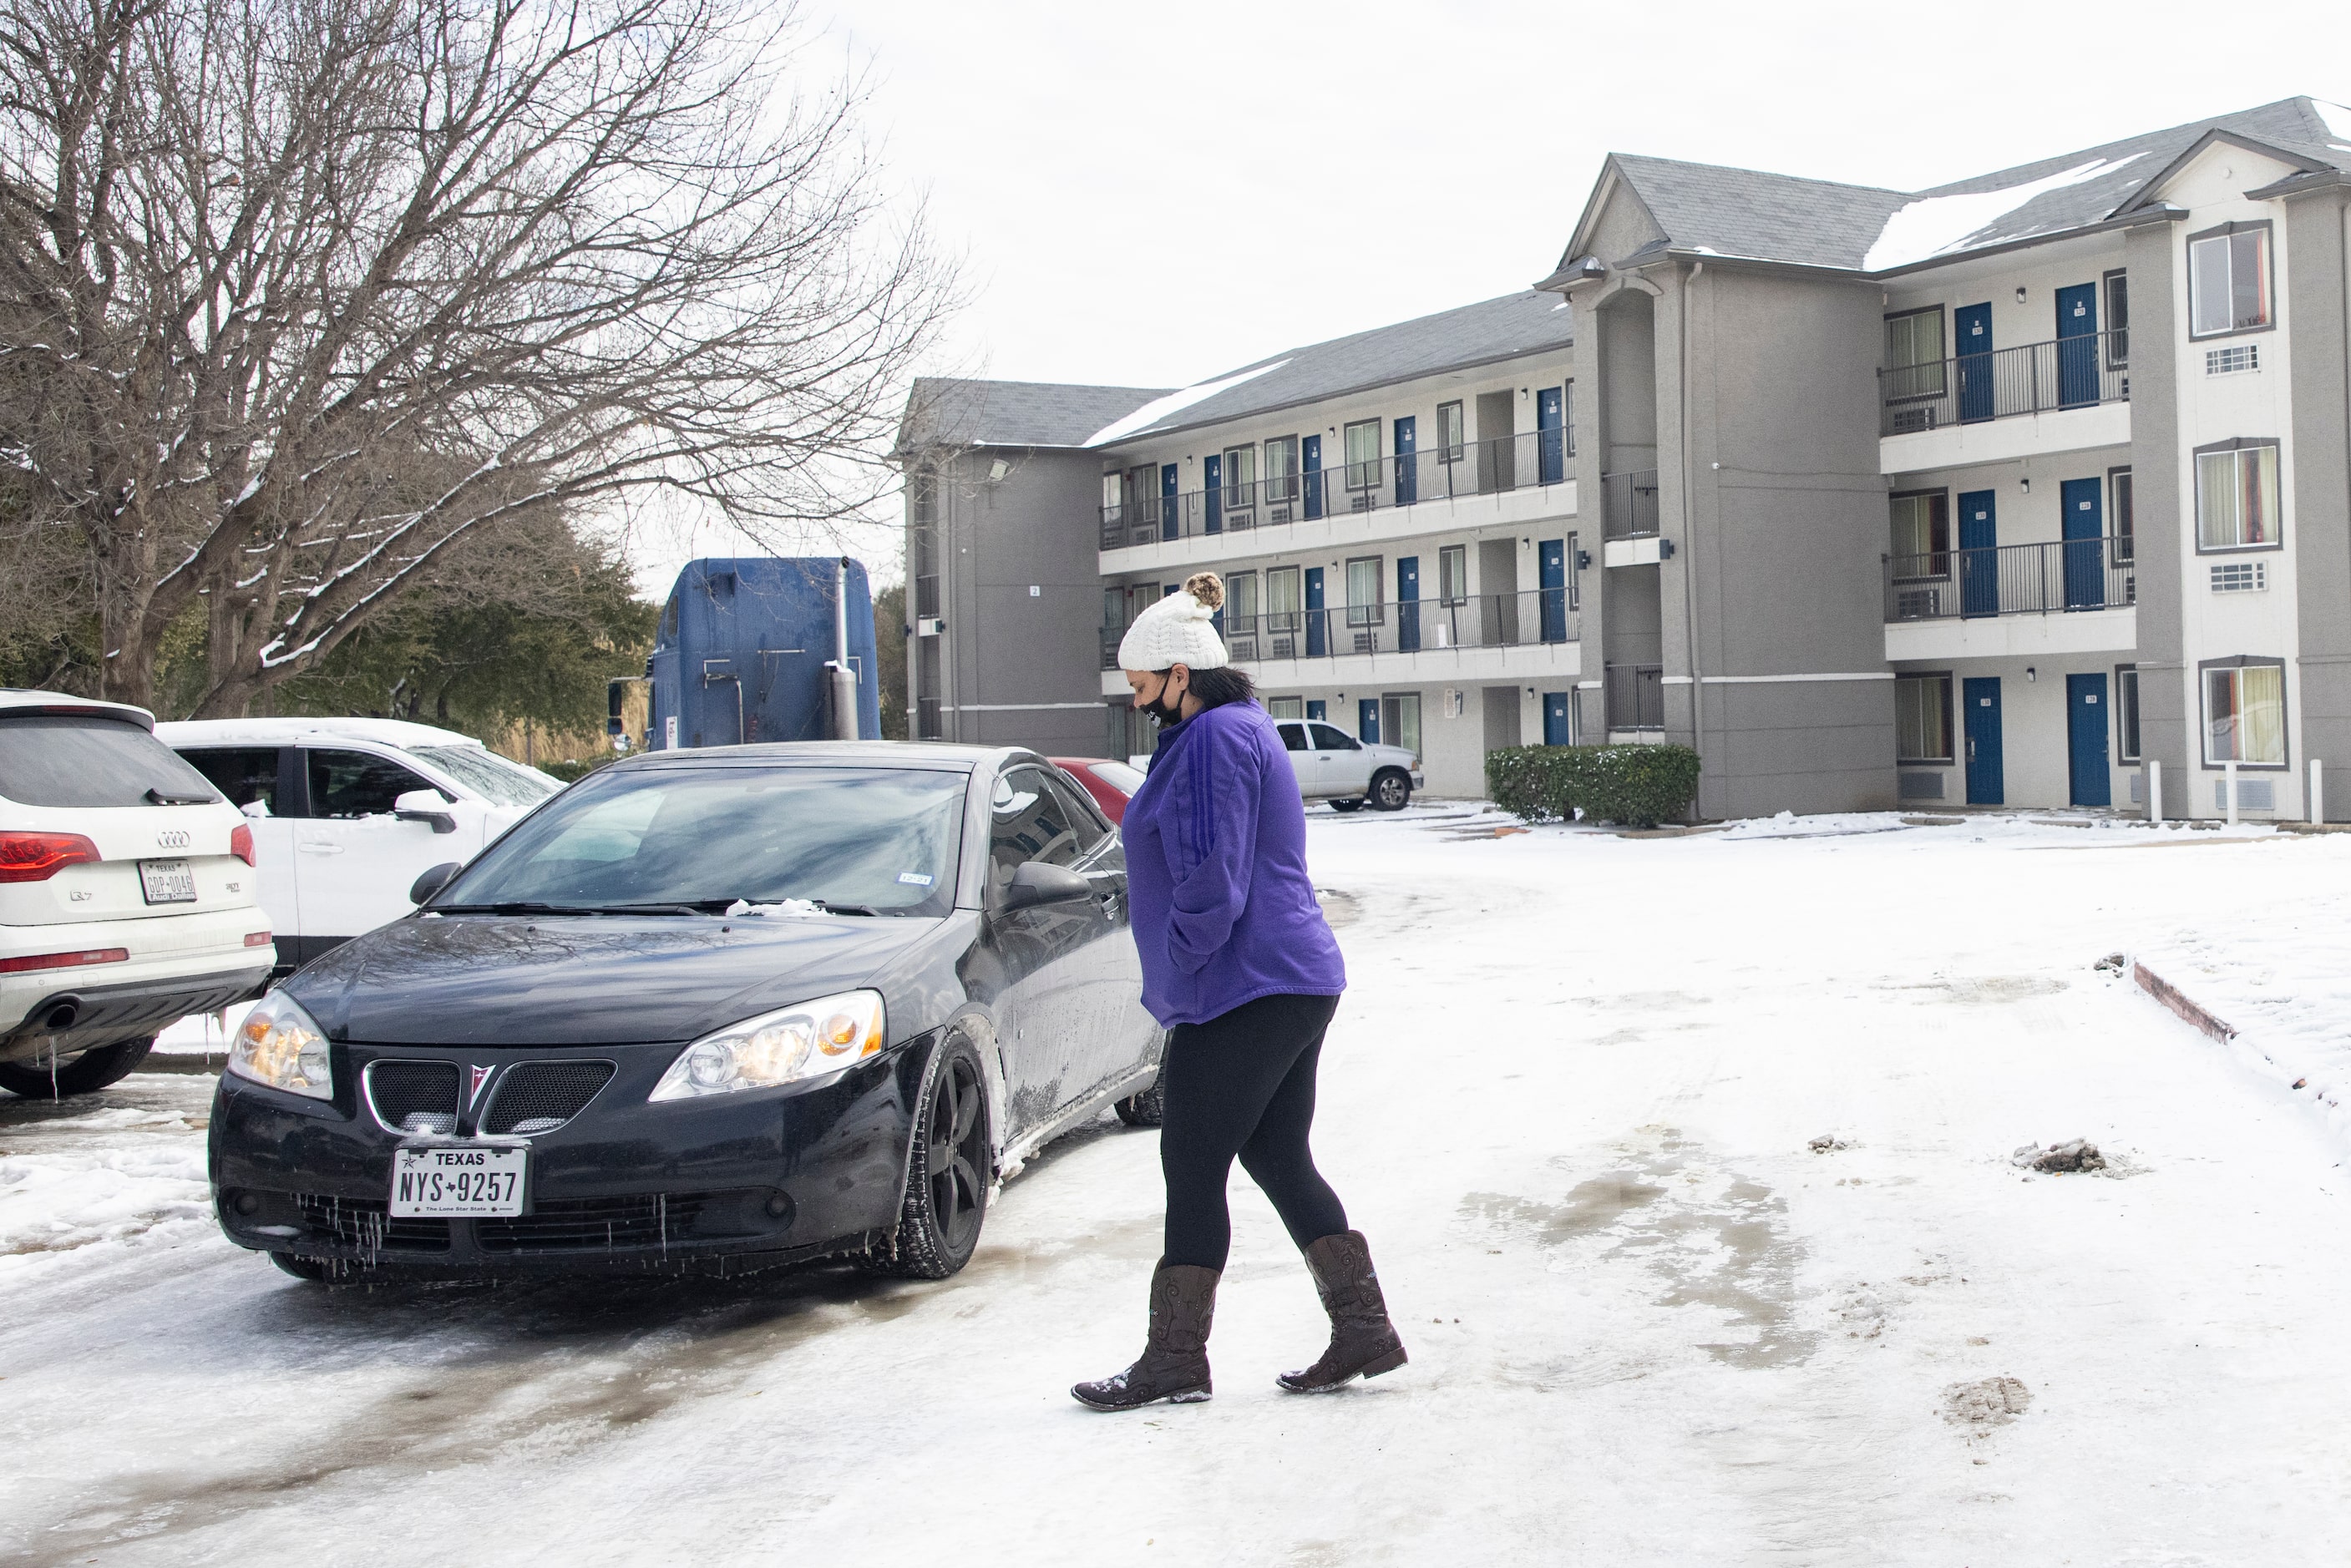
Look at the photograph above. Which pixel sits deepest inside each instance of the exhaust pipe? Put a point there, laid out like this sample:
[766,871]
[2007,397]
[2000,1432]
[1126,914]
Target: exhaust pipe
[62,1013]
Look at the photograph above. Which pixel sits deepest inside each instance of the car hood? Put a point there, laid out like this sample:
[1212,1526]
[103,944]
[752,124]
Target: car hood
[488,979]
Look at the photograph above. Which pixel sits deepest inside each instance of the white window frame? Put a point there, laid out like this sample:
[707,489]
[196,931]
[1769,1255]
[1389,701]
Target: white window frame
[2238,453]
[2231,671]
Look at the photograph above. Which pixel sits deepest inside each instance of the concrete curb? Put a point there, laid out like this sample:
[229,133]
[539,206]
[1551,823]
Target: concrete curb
[2185,1007]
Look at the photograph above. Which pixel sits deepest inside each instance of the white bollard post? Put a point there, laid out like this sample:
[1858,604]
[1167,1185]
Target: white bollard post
[2317,802]
[2154,789]
[2229,768]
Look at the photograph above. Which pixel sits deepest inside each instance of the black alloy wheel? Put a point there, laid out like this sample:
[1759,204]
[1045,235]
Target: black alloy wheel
[947,1179]
[1391,790]
[77,1074]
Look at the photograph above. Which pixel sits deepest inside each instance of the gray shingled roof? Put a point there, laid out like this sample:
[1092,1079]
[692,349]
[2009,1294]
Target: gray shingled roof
[1491,330]
[948,411]
[1776,217]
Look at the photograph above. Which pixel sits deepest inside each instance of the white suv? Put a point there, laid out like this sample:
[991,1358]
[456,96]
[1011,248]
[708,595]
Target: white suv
[128,893]
[348,813]
[1334,765]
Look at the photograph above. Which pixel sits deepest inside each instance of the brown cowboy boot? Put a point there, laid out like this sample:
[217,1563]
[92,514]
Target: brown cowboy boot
[1363,1341]
[1173,1366]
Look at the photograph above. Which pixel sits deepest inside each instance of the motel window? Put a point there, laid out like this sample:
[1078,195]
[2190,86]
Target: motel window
[2118,509]
[2245,712]
[1240,476]
[1914,354]
[1922,534]
[1567,417]
[1453,574]
[1281,600]
[1922,718]
[1281,469]
[2237,495]
[1448,432]
[2127,712]
[2117,321]
[1363,440]
[1240,601]
[1289,708]
[2229,280]
[1400,720]
[1364,580]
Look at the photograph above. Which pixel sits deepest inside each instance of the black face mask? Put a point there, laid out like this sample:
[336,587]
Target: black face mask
[1159,708]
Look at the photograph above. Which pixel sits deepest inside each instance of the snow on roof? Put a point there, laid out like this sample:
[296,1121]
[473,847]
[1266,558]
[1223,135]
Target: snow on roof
[2337,118]
[1175,402]
[1937,225]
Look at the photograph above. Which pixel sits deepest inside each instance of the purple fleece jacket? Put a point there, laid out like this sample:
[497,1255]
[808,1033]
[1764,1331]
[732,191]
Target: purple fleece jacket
[1218,893]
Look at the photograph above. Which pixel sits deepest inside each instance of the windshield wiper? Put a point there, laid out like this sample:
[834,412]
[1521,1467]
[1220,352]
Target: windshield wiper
[829,907]
[524,908]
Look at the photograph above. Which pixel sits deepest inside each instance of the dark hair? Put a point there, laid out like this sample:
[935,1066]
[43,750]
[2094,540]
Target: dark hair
[1214,688]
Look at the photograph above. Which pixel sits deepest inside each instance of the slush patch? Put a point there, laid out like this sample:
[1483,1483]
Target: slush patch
[915,878]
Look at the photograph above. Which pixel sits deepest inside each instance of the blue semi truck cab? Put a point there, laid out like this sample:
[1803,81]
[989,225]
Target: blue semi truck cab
[748,649]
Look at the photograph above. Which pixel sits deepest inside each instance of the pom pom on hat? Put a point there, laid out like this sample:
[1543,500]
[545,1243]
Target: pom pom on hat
[1178,629]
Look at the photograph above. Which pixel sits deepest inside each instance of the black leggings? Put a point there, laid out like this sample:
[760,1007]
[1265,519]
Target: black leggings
[1243,1084]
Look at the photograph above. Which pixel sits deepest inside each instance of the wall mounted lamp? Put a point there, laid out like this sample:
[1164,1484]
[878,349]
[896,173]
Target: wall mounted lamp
[1582,564]
[2031,673]
[2019,293]
[2025,484]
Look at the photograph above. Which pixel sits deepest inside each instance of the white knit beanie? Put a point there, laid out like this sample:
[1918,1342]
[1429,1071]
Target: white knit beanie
[1176,630]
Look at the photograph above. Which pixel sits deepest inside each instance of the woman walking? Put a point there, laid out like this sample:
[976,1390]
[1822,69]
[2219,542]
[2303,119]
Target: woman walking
[1240,965]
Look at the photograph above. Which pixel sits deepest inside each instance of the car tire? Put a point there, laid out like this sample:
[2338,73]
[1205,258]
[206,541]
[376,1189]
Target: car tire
[1390,788]
[1145,1107]
[90,1071]
[945,1202]
[315,1270]
[1346,806]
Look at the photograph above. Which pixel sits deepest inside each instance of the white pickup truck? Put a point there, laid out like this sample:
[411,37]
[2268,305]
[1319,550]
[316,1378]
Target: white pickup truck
[1349,774]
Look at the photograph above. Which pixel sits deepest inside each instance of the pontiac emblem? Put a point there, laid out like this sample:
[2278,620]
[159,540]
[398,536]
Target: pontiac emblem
[481,1077]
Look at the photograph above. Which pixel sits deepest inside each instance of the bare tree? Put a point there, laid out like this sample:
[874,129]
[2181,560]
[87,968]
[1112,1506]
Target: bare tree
[296,296]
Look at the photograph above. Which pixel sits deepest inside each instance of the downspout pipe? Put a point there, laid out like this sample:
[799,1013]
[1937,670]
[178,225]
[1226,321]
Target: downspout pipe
[1689,549]
[838,671]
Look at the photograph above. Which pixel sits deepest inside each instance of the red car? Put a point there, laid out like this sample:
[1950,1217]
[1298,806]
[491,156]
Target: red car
[1108,782]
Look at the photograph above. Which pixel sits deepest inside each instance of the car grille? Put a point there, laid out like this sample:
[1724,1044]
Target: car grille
[540,1096]
[366,1224]
[415,1096]
[638,1220]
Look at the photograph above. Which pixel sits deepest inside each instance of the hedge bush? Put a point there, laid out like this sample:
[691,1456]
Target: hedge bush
[1633,786]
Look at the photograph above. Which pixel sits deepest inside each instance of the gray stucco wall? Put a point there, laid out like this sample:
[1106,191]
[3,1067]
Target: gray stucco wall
[2320,509]
[1782,526]
[1020,669]
[2159,513]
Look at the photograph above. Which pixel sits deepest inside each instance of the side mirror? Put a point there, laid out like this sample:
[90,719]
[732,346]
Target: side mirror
[1037,882]
[425,806]
[433,879]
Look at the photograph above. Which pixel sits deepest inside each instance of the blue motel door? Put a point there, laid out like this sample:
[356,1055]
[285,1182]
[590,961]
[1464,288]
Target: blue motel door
[1551,562]
[2086,740]
[2077,346]
[1971,325]
[1368,720]
[1170,503]
[1978,555]
[1212,481]
[1558,728]
[1980,697]
[1407,465]
[1408,604]
[1550,438]
[1309,458]
[2084,525]
[1318,625]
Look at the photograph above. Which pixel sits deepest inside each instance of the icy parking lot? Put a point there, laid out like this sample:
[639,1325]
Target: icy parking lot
[1571,1096]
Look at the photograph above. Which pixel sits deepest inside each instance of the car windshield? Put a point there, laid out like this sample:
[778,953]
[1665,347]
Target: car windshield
[487,774]
[80,760]
[878,841]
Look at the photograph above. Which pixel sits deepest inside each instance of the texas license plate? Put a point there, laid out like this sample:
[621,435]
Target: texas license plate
[167,881]
[449,1181]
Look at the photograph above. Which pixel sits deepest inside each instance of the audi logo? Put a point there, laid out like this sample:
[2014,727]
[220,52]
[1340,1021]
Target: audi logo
[172,838]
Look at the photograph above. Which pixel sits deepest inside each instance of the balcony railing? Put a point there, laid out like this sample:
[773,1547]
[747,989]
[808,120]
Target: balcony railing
[1412,626]
[2078,372]
[1637,696]
[1529,459]
[2012,579]
[1628,503]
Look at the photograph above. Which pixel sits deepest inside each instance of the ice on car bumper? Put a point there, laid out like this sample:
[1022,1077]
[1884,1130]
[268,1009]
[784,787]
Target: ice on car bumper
[622,1183]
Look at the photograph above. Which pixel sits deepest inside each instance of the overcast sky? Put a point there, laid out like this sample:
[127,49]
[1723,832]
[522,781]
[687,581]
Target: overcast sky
[1144,195]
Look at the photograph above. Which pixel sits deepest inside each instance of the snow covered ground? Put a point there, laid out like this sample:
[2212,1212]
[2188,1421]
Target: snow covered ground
[1570,1097]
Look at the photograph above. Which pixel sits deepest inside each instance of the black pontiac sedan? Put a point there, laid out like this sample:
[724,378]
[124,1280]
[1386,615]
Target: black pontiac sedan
[704,1009]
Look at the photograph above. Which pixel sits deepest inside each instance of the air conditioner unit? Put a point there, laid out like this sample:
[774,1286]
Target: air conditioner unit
[1917,603]
[1909,422]
[1235,521]
[1277,515]
[1367,642]
[1284,647]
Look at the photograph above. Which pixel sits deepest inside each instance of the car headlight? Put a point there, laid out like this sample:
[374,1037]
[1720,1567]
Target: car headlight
[780,1047]
[283,1046]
